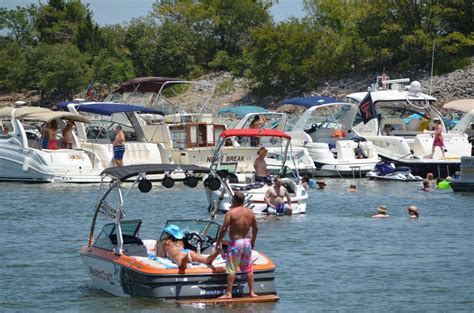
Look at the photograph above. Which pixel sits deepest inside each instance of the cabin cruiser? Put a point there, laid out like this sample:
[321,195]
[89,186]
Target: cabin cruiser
[97,137]
[325,130]
[121,262]
[465,181]
[23,157]
[220,196]
[387,171]
[407,144]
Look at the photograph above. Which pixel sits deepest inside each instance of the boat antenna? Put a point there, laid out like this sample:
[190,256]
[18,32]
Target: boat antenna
[432,65]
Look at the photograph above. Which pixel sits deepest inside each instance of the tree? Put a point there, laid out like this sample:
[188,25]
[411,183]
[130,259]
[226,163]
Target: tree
[57,71]
[13,66]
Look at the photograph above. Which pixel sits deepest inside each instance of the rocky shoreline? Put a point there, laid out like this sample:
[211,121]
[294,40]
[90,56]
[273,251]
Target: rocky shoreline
[230,91]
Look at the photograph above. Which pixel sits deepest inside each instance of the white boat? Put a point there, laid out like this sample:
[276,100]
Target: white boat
[122,262]
[23,159]
[408,141]
[387,171]
[325,130]
[220,193]
[466,180]
[97,137]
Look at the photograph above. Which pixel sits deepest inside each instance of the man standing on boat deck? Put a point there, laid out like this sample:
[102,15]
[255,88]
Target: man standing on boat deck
[119,146]
[260,166]
[239,220]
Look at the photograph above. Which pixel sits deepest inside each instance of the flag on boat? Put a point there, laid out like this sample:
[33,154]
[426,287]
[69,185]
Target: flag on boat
[367,108]
[90,90]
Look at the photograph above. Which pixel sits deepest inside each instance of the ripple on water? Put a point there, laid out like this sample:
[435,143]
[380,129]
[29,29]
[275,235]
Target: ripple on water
[334,258]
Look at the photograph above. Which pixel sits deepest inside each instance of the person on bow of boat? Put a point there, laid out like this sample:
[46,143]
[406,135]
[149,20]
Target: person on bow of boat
[119,146]
[173,247]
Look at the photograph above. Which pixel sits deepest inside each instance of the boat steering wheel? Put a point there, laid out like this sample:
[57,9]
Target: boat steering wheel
[193,240]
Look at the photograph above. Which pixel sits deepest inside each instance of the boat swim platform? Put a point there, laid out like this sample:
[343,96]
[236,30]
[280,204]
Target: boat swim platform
[236,300]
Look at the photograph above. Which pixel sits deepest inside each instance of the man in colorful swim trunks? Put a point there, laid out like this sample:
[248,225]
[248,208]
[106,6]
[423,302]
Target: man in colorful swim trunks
[239,220]
[119,147]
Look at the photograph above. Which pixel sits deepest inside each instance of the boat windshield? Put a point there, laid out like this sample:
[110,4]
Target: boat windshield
[332,116]
[103,126]
[203,227]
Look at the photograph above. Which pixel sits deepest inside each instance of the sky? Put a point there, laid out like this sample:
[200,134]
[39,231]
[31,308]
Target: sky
[118,11]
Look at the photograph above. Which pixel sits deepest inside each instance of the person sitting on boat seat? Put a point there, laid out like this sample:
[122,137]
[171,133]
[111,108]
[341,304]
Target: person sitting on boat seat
[387,129]
[260,166]
[274,199]
[173,247]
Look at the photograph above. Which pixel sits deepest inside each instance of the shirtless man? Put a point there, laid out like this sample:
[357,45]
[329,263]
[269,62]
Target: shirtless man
[119,146]
[239,220]
[274,198]
[260,166]
[173,246]
[67,135]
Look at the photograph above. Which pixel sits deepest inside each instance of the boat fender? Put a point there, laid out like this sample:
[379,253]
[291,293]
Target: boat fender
[26,164]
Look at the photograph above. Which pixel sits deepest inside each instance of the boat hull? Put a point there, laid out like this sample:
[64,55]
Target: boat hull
[123,280]
[460,186]
[421,167]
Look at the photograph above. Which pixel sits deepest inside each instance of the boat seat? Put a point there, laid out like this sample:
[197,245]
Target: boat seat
[396,123]
[136,250]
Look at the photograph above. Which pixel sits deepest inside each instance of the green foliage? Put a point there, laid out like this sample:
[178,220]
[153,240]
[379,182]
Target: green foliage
[12,67]
[57,71]
[56,46]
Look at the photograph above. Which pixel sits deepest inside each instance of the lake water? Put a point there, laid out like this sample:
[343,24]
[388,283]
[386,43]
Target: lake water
[334,258]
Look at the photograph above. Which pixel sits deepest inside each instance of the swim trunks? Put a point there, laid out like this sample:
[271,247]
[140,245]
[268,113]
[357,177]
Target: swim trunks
[53,144]
[438,141]
[239,254]
[118,152]
[280,209]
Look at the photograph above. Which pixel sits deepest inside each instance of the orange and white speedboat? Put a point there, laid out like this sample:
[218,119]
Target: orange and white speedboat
[122,263]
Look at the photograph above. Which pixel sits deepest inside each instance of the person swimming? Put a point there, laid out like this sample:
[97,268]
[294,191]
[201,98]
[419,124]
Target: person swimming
[382,212]
[413,211]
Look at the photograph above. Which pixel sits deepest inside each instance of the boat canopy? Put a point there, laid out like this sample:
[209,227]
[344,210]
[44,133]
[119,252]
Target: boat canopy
[146,84]
[19,112]
[243,110]
[254,132]
[41,114]
[107,108]
[464,105]
[52,115]
[309,102]
[125,172]
[390,95]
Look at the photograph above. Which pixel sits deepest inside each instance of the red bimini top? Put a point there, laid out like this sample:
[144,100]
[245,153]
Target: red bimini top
[254,132]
